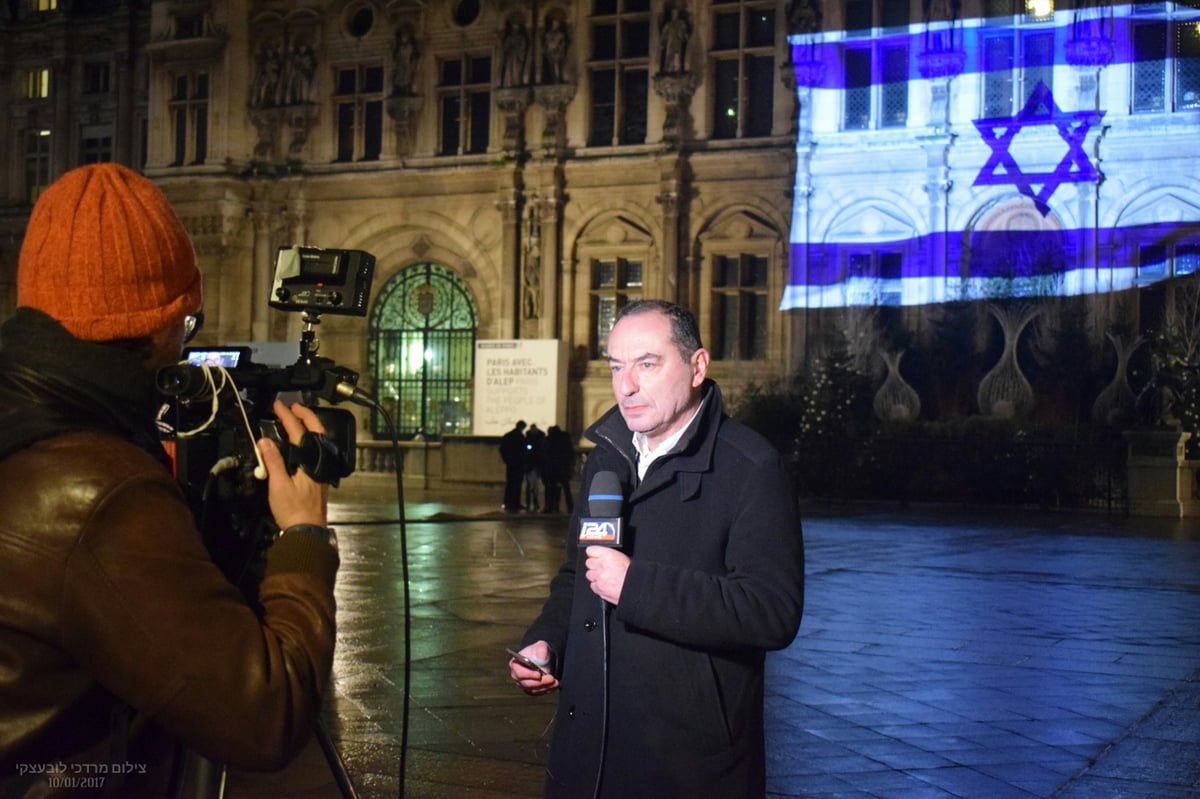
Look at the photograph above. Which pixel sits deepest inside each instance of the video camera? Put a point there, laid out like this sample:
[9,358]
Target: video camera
[217,403]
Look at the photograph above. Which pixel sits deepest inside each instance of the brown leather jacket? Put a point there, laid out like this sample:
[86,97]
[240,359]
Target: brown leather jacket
[109,592]
[119,635]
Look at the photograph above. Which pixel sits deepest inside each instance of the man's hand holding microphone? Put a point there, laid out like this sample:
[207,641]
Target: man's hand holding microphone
[602,531]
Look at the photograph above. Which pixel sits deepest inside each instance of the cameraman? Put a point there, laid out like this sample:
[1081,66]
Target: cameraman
[121,642]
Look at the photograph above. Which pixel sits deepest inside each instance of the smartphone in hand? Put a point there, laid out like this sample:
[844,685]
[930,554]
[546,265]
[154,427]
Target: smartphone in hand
[526,662]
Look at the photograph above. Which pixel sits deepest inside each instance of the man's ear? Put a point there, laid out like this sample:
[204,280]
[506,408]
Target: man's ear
[700,360]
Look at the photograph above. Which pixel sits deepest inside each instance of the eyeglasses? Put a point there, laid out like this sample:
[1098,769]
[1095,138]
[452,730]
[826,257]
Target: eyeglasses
[191,325]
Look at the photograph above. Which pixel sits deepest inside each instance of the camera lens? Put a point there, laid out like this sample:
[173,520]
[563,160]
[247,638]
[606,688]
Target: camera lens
[185,382]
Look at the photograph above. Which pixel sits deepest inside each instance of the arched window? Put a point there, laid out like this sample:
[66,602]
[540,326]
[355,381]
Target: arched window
[422,352]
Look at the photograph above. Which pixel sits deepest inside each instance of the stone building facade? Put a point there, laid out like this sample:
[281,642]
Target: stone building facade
[518,169]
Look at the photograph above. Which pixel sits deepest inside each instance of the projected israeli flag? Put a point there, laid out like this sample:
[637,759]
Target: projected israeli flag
[1050,153]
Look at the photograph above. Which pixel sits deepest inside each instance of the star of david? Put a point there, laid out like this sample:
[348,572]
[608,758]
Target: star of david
[999,132]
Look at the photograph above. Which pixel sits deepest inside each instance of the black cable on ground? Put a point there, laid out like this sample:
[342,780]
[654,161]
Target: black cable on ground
[404,723]
[331,753]
[336,764]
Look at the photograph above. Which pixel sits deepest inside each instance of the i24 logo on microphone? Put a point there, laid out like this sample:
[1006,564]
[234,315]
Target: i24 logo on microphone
[597,531]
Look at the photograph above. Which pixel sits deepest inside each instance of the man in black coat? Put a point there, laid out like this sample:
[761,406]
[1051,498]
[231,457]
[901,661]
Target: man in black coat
[659,647]
[558,461]
[512,452]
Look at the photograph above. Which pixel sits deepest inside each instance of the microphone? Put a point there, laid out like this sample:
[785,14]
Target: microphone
[603,525]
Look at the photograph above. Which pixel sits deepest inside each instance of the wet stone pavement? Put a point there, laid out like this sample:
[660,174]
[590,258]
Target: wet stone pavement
[943,653]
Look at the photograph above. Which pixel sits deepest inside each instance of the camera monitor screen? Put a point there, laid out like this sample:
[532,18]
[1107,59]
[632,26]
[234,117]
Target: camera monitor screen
[228,357]
[322,280]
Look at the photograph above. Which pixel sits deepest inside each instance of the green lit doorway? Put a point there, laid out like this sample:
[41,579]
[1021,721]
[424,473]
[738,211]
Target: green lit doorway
[422,352]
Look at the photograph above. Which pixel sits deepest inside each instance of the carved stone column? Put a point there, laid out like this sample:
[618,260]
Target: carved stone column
[260,287]
[938,184]
[532,300]
[669,281]
[550,208]
[510,265]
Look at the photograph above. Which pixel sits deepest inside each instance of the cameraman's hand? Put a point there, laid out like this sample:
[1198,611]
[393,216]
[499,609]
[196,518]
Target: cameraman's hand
[294,498]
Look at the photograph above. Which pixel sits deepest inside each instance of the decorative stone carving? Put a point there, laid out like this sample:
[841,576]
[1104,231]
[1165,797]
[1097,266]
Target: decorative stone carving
[554,99]
[1116,405]
[1005,392]
[404,111]
[896,400]
[676,91]
[512,104]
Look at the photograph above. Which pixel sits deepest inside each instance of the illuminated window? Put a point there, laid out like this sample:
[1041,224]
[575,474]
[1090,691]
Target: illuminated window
[739,307]
[37,163]
[1014,63]
[873,277]
[876,93]
[45,5]
[1166,63]
[618,70]
[615,282]
[189,118]
[1039,10]
[1159,261]
[743,68]
[358,100]
[465,104]
[37,84]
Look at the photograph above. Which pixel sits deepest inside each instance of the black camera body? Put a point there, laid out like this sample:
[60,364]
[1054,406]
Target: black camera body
[217,403]
[205,374]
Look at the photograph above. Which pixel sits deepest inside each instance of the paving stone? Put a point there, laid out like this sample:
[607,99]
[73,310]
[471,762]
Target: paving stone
[944,653]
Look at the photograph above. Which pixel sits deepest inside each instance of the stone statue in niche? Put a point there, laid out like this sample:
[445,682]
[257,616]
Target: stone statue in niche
[299,68]
[514,54]
[674,35]
[554,51]
[532,285]
[404,64]
[264,91]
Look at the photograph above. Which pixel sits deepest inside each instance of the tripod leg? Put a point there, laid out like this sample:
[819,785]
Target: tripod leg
[200,778]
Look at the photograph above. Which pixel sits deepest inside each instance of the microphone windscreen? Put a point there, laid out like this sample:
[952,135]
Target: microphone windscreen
[605,499]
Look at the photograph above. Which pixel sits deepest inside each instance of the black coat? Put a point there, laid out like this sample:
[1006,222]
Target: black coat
[716,580]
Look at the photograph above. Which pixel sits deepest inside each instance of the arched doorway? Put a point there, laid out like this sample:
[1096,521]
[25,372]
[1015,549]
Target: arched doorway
[422,352]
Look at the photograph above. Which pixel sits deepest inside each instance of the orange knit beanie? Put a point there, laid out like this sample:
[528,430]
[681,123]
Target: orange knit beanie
[106,256]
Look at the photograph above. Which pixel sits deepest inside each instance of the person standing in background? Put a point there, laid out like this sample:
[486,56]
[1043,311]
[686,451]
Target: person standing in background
[512,452]
[535,444]
[558,466]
